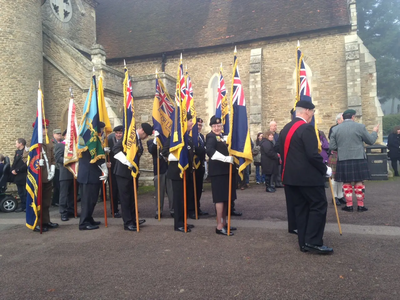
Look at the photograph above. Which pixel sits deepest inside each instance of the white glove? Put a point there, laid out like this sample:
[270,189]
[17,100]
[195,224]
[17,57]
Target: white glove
[103,169]
[156,133]
[50,175]
[328,171]
[107,150]
[229,159]
[121,157]
[155,141]
[219,156]
[41,162]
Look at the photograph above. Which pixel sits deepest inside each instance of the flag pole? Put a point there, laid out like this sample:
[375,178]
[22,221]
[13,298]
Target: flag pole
[195,193]
[105,204]
[110,185]
[229,200]
[158,183]
[136,203]
[334,204]
[40,181]
[184,199]
[75,199]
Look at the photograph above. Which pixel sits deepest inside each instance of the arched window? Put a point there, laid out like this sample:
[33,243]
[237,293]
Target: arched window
[212,94]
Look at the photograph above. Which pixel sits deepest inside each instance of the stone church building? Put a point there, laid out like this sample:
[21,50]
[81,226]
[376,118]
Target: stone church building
[58,42]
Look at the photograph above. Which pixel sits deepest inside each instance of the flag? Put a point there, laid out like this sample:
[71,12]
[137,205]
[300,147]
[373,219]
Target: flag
[179,123]
[71,141]
[239,138]
[88,136]
[130,137]
[162,112]
[103,115]
[303,89]
[190,108]
[222,109]
[33,184]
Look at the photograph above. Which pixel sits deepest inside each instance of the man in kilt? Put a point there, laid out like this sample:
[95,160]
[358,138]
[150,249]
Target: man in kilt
[348,140]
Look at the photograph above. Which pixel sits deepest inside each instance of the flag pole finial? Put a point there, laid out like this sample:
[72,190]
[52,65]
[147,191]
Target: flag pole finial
[298,44]
[70,92]
[220,67]
[181,57]
[93,70]
[124,63]
[235,50]
[39,84]
[156,72]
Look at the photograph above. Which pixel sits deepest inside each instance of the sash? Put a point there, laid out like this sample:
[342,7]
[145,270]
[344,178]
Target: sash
[287,142]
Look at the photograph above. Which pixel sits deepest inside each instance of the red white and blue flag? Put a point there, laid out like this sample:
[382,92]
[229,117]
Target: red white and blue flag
[222,109]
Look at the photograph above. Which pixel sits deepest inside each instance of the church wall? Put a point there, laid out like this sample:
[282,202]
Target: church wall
[80,29]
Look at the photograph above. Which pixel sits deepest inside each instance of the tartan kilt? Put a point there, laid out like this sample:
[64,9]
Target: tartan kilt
[352,170]
[332,160]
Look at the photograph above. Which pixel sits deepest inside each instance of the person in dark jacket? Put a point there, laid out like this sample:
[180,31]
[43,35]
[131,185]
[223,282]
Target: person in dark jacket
[19,170]
[303,175]
[394,148]
[57,138]
[269,161]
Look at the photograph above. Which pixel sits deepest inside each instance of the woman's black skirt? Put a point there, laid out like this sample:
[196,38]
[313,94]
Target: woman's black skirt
[353,170]
[220,188]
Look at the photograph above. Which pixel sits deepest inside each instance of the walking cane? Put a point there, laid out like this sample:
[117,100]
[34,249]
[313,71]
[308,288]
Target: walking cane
[334,204]
[136,203]
[229,200]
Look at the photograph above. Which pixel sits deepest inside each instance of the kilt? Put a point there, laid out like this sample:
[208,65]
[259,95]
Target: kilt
[332,160]
[352,170]
[220,188]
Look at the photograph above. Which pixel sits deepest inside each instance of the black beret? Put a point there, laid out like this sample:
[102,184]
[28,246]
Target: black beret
[189,116]
[147,128]
[199,120]
[215,120]
[118,128]
[305,104]
[350,112]
[102,125]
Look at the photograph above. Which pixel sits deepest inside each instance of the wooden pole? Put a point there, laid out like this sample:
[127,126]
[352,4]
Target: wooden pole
[195,194]
[229,200]
[184,200]
[105,204]
[334,204]
[136,203]
[75,199]
[111,190]
[158,184]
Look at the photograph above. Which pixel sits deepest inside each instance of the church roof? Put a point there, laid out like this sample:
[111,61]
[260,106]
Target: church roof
[132,28]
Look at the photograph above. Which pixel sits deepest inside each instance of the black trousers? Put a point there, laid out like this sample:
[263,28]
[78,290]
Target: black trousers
[90,194]
[125,190]
[291,216]
[394,165]
[199,184]
[310,206]
[46,201]
[22,194]
[56,187]
[115,194]
[189,193]
[66,197]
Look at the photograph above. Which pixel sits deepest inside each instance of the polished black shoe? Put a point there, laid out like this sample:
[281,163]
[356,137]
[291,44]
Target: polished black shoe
[348,208]
[279,185]
[317,249]
[361,208]
[190,226]
[44,229]
[20,209]
[156,216]
[342,200]
[95,223]
[232,228]
[141,221]
[117,215]
[294,231]
[337,201]
[203,213]
[64,218]
[89,227]
[182,229]
[55,205]
[51,225]
[236,213]
[223,231]
[130,228]
[192,216]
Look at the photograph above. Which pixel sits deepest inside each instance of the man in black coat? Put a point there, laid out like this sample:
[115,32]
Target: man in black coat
[19,170]
[124,179]
[306,194]
[66,179]
[113,139]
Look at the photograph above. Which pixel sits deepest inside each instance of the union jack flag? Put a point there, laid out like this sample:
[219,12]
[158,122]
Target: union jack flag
[303,86]
[164,100]
[222,110]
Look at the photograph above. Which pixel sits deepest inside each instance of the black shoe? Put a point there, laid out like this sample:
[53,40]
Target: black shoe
[348,208]
[64,218]
[89,227]
[192,216]
[317,249]
[117,215]
[223,231]
[236,213]
[182,229]
[44,229]
[55,205]
[202,213]
[130,228]
[337,202]
[20,209]
[72,215]
[95,223]
[156,216]
[294,231]
[141,221]
[279,185]
[270,190]
[361,208]
[190,226]
[232,228]
[172,215]
[342,200]
[51,225]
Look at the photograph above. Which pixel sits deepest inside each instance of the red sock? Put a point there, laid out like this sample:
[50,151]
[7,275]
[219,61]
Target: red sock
[359,191]
[348,193]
